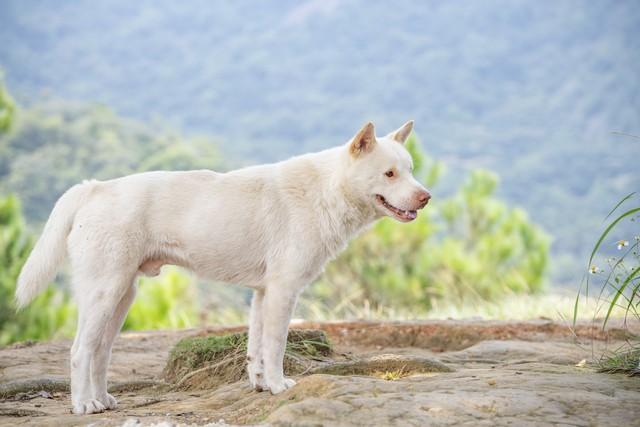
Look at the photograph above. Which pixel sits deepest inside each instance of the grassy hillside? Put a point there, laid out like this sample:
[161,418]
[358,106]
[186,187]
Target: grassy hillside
[529,89]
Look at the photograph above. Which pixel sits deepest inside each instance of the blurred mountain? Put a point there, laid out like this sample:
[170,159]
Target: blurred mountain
[532,90]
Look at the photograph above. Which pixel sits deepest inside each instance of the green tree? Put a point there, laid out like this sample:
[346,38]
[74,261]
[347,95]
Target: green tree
[7,108]
[15,246]
[463,249]
[51,312]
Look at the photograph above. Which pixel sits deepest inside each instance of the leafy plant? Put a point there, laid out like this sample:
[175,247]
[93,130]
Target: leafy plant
[618,281]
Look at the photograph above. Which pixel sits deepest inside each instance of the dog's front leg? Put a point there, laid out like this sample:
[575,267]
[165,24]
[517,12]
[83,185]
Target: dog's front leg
[277,309]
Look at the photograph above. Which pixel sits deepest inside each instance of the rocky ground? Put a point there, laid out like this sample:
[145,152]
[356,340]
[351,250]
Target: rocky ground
[428,373]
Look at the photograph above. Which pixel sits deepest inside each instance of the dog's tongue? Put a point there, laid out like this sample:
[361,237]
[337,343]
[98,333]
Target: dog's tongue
[411,214]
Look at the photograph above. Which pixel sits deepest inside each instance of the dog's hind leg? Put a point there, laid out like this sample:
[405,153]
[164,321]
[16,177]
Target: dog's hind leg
[255,363]
[97,299]
[102,356]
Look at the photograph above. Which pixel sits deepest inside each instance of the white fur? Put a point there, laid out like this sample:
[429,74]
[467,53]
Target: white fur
[270,227]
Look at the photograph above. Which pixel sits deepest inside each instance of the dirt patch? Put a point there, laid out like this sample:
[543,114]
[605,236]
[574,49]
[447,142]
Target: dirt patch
[440,336]
[386,366]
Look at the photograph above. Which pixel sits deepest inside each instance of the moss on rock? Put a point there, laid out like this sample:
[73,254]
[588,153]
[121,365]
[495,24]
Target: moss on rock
[224,355]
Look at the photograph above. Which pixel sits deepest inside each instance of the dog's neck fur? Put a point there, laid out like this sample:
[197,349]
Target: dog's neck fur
[346,213]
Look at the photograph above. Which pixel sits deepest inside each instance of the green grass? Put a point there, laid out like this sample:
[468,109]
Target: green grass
[193,352]
[624,360]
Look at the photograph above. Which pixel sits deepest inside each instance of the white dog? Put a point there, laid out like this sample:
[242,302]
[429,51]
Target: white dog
[270,227]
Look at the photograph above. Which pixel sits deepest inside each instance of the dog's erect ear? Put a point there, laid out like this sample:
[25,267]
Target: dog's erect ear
[402,133]
[364,141]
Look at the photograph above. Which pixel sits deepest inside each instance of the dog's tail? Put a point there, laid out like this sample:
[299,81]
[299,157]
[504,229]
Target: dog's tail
[51,248]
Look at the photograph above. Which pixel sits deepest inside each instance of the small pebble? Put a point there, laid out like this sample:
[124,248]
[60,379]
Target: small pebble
[45,394]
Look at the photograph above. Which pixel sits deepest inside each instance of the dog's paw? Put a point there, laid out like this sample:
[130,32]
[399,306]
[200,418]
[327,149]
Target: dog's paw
[88,406]
[256,379]
[258,383]
[277,387]
[108,401]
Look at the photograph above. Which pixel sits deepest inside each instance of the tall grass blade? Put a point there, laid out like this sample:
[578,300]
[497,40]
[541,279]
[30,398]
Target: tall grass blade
[615,267]
[608,229]
[631,299]
[575,305]
[624,199]
[595,250]
[630,277]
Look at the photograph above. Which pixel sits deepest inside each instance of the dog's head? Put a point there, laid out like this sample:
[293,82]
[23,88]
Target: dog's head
[381,171]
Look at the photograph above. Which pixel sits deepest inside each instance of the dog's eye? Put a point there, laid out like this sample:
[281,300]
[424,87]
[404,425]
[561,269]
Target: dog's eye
[389,173]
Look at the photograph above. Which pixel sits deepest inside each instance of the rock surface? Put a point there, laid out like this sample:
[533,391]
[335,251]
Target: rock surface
[488,373]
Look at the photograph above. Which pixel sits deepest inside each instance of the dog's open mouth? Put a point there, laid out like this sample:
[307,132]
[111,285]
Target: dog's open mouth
[402,215]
